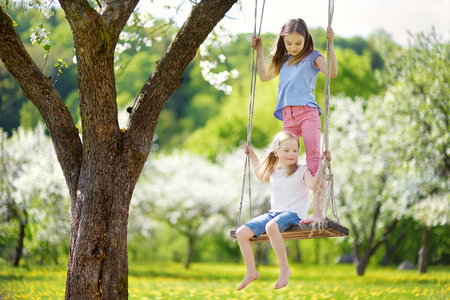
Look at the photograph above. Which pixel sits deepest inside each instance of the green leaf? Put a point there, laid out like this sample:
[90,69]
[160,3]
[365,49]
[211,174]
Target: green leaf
[47,47]
[60,60]
[56,65]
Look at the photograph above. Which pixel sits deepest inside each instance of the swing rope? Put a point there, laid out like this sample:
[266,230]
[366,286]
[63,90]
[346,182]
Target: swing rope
[254,70]
[326,190]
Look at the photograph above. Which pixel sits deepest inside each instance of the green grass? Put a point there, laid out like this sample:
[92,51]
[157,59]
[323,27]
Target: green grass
[219,281]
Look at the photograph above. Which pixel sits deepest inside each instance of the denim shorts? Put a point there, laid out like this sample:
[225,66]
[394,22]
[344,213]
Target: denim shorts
[283,219]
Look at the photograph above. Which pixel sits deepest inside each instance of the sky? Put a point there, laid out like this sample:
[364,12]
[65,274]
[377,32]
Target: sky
[351,17]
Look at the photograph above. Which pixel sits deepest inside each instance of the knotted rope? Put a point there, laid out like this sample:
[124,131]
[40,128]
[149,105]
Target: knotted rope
[250,115]
[326,181]
[326,189]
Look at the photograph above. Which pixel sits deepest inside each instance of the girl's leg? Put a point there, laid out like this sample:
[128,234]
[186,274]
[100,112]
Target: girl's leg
[289,121]
[311,130]
[317,214]
[277,242]
[304,121]
[243,235]
[308,120]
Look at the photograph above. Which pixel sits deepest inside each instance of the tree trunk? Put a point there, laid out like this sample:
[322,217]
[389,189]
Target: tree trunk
[423,252]
[19,248]
[262,253]
[298,253]
[191,250]
[390,250]
[98,263]
[317,251]
[362,262]
[102,169]
[372,244]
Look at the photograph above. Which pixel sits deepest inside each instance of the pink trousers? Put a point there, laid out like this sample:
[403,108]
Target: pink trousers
[304,121]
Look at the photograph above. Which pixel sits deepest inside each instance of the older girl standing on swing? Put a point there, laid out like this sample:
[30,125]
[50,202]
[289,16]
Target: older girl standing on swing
[297,63]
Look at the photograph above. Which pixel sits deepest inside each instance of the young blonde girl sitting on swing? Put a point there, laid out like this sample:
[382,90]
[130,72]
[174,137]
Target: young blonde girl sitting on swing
[289,202]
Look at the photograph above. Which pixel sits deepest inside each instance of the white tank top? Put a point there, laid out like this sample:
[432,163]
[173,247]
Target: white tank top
[289,193]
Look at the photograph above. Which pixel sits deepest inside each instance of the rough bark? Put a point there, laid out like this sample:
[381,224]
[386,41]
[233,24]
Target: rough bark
[101,170]
[423,252]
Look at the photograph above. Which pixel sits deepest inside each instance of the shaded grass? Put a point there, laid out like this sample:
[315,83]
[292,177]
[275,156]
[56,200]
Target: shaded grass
[220,281]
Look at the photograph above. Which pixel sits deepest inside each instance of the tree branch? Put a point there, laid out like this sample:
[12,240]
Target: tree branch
[113,18]
[117,13]
[376,213]
[383,238]
[355,230]
[84,22]
[167,77]
[39,90]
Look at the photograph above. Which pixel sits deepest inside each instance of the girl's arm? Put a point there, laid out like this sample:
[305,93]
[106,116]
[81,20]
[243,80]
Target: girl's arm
[311,182]
[254,158]
[320,61]
[262,68]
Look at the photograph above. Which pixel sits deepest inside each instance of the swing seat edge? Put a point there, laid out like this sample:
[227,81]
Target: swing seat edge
[303,231]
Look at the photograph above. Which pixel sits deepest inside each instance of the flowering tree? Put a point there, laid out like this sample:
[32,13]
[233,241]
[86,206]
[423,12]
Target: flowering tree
[400,144]
[365,186]
[102,168]
[33,189]
[418,101]
[194,195]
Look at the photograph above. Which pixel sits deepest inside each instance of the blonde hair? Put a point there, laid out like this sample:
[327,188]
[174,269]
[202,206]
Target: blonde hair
[267,167]
[279,51]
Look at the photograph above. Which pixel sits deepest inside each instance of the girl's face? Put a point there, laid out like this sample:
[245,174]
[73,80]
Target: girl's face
[294,43]
[287,153]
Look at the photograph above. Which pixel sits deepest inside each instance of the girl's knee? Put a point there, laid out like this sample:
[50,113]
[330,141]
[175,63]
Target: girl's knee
[272,227]
[244,232]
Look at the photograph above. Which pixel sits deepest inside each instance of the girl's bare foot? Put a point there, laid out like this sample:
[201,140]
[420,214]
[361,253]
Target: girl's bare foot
[249,277]
[311,220]
[283,279]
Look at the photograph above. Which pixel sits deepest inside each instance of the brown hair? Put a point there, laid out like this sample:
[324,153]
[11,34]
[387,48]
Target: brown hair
[269,164]
[279,51]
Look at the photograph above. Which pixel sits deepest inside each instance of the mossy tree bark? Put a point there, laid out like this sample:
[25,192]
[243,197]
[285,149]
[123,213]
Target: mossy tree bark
[101,167]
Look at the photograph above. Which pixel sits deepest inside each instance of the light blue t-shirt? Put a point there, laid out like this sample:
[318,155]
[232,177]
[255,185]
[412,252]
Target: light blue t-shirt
[297,83]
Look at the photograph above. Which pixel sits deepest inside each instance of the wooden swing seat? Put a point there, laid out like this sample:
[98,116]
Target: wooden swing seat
[302,231]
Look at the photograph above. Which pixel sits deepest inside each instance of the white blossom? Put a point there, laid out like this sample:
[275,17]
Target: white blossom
[234,73]
[40,35]
[148,42]
[33,182]
[120,48]
[184,186]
